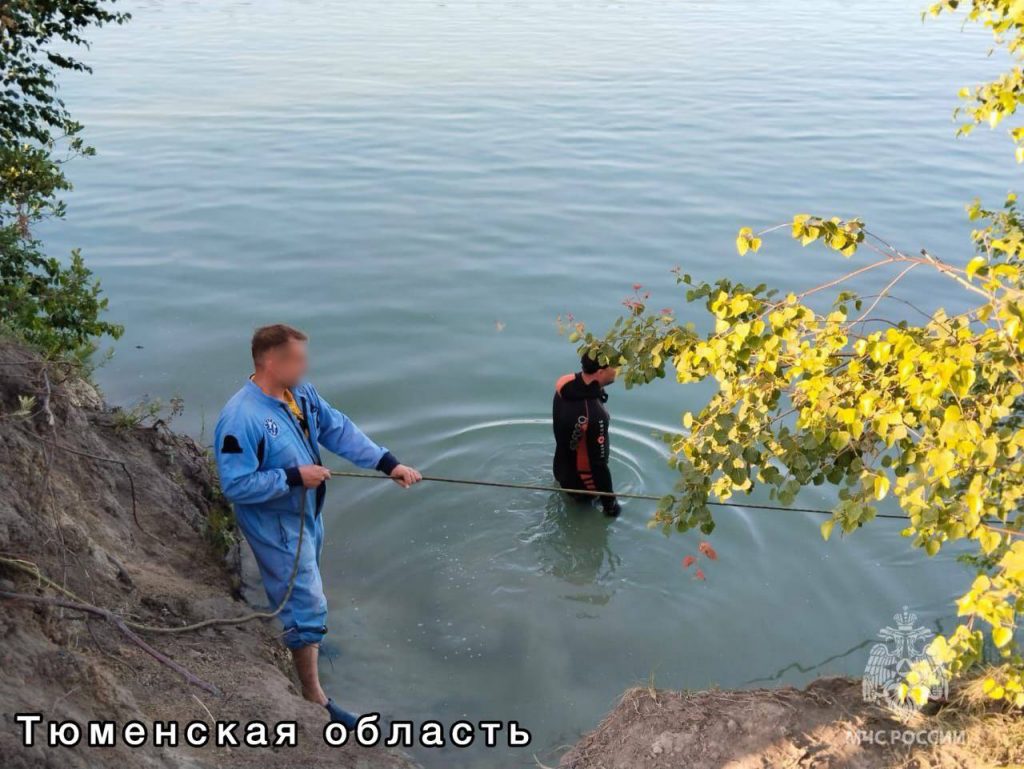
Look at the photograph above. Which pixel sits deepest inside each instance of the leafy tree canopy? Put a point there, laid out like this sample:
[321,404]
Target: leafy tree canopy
[832,386]
[36,38]
[53,303]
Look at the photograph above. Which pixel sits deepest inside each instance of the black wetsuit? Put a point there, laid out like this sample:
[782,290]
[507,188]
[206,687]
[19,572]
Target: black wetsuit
[582,448]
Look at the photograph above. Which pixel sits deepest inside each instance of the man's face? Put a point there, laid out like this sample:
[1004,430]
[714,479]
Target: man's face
[287,364]
[606,376]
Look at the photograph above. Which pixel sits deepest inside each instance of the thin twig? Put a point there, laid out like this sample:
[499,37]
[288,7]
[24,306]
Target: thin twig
[203,705]
[882,294]
[123,465]
[46,401]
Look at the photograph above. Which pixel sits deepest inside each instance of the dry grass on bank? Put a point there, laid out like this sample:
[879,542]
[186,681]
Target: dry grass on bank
[818,727]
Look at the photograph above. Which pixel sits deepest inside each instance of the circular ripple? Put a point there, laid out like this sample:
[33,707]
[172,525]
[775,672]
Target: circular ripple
[519,450]
[537,532]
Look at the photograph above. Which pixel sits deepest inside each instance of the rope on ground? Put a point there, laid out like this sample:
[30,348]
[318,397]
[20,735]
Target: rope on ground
[131,629]
[32,569]
[120,623]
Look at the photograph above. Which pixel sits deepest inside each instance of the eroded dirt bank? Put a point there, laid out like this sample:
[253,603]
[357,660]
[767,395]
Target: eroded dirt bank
[73,515]
[826,725]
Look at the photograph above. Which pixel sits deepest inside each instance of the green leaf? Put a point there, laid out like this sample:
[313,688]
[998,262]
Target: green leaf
[839,439]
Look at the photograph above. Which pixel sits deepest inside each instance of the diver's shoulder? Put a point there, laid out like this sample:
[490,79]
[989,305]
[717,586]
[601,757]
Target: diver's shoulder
[562,381]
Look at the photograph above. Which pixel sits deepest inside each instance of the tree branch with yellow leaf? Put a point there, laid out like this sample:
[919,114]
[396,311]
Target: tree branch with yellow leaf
[926,415]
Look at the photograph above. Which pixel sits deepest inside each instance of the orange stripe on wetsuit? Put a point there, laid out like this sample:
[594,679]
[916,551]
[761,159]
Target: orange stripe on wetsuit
[583,455]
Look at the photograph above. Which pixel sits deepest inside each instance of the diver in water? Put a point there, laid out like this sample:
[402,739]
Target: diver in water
[580,421]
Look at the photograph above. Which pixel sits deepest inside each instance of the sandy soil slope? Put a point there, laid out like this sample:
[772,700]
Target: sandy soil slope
[818,727]
[71,514]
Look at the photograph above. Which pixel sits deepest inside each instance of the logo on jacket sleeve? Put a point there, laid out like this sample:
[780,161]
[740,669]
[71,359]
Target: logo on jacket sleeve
[271,426]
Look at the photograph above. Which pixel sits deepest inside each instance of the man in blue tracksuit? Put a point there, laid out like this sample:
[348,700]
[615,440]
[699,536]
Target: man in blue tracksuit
[267,443]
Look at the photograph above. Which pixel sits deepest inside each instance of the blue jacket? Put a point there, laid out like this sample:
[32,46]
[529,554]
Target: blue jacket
[260,446]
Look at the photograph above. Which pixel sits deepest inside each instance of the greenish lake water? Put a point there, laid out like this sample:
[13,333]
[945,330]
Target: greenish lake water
[424,187]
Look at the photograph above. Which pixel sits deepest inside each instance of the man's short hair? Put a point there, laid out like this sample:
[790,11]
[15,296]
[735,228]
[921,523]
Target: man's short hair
[590,364]
[266,338]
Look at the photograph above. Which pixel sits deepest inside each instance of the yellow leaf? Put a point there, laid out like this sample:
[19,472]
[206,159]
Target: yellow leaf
[881,486]
[989,540]
[919,694]
[974,265]
[942,462]
[1001,636]
[989,451]
[974,502]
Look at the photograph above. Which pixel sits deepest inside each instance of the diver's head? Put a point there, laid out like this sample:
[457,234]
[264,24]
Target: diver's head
[279,354]
[593,371]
